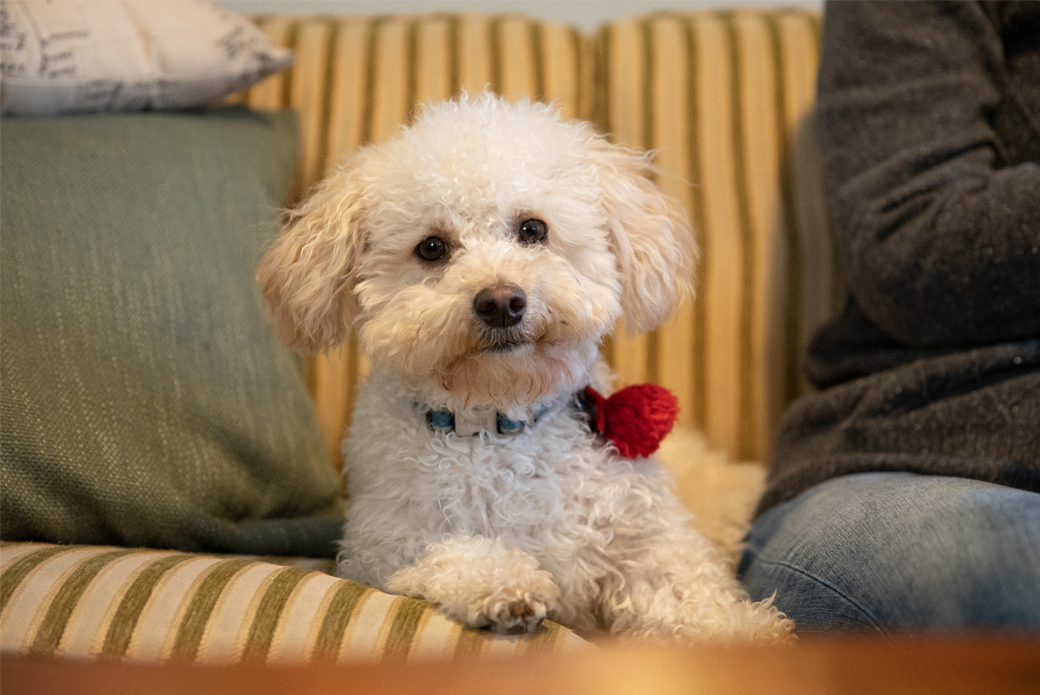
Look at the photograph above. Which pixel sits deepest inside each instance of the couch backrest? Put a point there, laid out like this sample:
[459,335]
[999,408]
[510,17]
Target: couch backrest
[726,99]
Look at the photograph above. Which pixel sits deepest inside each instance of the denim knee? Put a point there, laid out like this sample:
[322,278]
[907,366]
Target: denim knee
[896,551]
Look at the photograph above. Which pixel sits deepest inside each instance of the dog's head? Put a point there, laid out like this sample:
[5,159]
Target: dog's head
[483,253]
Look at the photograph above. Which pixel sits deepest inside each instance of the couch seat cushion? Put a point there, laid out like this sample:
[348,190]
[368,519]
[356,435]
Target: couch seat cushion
[154,605]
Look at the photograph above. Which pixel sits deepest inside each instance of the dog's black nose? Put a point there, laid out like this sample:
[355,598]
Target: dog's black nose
[500,306]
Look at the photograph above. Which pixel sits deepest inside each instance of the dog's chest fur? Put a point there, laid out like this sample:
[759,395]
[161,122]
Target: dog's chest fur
[553,490]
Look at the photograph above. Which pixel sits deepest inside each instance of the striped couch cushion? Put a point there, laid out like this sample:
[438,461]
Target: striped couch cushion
[153,605]
[726,100]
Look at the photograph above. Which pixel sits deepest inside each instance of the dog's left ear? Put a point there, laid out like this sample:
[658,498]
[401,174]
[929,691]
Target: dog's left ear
[649,233]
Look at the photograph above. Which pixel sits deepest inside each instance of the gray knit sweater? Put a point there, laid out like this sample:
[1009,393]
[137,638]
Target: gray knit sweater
[929,118]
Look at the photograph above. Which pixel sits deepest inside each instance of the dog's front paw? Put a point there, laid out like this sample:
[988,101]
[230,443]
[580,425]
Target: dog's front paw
[481,583]
[517,608]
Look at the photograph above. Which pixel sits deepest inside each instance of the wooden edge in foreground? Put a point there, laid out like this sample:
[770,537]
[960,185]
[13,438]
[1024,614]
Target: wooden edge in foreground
[856,665]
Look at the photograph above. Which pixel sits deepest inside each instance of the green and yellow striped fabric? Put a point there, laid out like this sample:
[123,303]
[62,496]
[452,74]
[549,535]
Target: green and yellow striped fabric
[725,98]
[153,605]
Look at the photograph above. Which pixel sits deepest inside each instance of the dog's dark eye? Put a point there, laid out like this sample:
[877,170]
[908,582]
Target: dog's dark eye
[533,231]
[432,248]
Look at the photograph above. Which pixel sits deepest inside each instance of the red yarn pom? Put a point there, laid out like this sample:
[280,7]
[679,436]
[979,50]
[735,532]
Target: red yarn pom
[636,418]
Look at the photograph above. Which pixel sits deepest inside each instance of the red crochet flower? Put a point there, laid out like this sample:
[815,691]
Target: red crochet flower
[635,419]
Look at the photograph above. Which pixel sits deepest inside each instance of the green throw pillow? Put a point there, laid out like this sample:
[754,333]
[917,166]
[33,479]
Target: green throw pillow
[144,399]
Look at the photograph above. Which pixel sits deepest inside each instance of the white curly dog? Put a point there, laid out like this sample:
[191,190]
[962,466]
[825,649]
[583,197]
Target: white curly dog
[482,255]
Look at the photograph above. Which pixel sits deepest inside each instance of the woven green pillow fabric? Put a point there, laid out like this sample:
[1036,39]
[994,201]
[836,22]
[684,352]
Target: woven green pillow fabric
[144,398]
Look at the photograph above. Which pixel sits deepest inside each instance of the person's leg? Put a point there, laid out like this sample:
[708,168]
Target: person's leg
[895,552]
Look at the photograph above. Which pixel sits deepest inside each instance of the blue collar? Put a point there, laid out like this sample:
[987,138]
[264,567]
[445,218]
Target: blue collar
[471,422]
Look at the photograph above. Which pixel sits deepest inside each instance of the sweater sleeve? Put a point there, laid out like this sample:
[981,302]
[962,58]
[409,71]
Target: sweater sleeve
[940,230]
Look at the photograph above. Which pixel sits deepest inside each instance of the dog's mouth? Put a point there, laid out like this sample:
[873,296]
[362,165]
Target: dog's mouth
[506,345]
[502,342]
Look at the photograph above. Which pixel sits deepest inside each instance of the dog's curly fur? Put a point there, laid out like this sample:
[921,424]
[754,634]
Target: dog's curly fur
[503,530]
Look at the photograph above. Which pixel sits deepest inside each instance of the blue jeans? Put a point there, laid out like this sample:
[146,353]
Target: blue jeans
[897,552]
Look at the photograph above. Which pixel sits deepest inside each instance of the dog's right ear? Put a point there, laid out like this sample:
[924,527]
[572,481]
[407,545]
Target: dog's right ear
[308,274]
